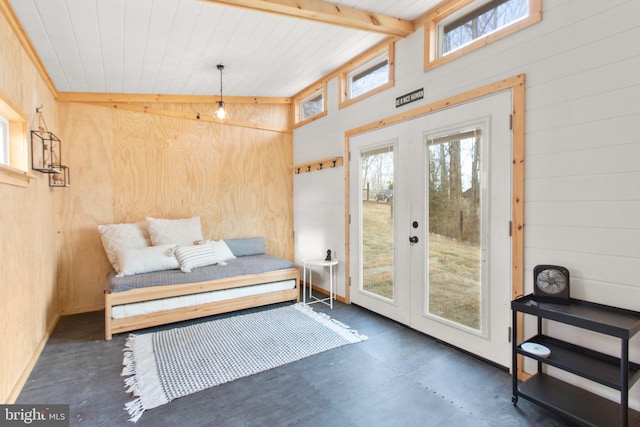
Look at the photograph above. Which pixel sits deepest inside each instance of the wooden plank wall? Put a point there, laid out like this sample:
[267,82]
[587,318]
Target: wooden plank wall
[29,299]
[582,197]
[127,165]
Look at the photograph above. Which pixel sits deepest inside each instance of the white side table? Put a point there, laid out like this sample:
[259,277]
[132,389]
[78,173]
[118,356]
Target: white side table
[308,266]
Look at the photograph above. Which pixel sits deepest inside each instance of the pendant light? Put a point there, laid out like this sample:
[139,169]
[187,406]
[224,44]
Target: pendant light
[221,113]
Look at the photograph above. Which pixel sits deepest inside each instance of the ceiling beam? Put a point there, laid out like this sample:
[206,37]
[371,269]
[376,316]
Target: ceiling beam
[328,13]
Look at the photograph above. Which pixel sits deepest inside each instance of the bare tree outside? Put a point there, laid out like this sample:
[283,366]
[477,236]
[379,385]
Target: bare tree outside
[454,204]
[454,253]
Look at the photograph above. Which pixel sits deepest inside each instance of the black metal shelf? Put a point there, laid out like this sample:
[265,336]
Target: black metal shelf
[569,401]
[595,366]
[608,320]
[575,403]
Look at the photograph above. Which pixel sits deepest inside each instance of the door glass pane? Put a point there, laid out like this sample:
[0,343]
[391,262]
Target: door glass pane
[377,221]
[454,255]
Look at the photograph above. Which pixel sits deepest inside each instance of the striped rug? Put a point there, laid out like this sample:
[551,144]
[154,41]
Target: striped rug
[165,365]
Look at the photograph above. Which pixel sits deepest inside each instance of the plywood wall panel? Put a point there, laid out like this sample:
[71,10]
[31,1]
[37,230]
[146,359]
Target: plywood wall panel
[257,192]
[87,137]
[161,166]
[29,297]
[238,180]
[582,186]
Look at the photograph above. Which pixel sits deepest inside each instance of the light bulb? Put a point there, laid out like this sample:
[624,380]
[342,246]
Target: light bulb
[221,114]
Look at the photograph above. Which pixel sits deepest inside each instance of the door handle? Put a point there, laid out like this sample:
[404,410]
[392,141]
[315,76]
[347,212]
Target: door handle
[413,239]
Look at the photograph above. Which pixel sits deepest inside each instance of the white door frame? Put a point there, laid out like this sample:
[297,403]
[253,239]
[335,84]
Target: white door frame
[516,85]
[490,115]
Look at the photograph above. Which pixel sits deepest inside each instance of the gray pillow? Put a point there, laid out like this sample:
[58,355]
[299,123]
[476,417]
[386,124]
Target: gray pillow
[247,246]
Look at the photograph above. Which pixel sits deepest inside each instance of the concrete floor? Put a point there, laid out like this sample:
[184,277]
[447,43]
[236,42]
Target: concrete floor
[398,377]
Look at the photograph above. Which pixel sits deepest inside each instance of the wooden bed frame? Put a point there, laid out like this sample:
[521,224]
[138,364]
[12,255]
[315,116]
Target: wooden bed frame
[114,326]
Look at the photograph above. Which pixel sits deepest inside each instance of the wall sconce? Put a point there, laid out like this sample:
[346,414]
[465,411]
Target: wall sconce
[60,178]
[45,151]
[46,154]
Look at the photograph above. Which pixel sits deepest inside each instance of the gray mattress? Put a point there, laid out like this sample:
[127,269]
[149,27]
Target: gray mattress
[252,264]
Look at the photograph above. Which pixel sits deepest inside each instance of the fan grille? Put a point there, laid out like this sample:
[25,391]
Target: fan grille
[552,281]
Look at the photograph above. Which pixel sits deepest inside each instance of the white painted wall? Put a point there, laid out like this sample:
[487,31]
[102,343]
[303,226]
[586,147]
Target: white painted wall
[582,153]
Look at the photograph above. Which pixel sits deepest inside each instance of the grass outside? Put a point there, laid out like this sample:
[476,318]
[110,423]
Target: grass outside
[454,268]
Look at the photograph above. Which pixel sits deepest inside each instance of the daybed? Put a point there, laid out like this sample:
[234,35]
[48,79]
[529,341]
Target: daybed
[251,279]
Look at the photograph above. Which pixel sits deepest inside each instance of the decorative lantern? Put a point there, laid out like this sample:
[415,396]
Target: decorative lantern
[46,154]
[60,178]
[45,151]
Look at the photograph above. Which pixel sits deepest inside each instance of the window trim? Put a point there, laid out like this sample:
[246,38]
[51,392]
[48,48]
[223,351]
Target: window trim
[17,171]
[5,147]
[360,62]
[310,92]
[448,8]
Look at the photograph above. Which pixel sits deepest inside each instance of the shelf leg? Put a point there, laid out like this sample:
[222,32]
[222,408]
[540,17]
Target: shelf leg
[624,383]
[539,333]
[514,356]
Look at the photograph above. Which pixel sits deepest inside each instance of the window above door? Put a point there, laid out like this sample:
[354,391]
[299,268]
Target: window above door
[367,75]
[459,27]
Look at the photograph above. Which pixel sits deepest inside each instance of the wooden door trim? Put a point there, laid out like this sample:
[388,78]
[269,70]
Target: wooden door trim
[516,85]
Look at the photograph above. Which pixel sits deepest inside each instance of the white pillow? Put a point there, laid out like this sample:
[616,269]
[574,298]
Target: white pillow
[145,260]
[194,256]
[122,236]
[222,250]
[184,232]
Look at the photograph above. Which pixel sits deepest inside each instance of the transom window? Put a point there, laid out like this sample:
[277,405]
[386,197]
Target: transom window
[312,105]
[368,76]
[458,31]
[464,26]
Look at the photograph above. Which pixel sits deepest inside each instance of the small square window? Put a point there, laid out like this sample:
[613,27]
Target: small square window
[312,105]
[14,149]
[4,140]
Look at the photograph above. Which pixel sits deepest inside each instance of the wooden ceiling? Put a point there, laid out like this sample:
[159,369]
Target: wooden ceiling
[270,48]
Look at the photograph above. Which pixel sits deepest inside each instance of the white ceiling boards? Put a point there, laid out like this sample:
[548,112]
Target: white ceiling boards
[173,46]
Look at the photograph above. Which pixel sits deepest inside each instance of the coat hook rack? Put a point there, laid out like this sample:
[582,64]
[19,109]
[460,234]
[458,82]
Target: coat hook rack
[318,165]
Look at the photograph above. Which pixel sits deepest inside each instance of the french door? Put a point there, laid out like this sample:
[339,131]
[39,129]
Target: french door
[437,255]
